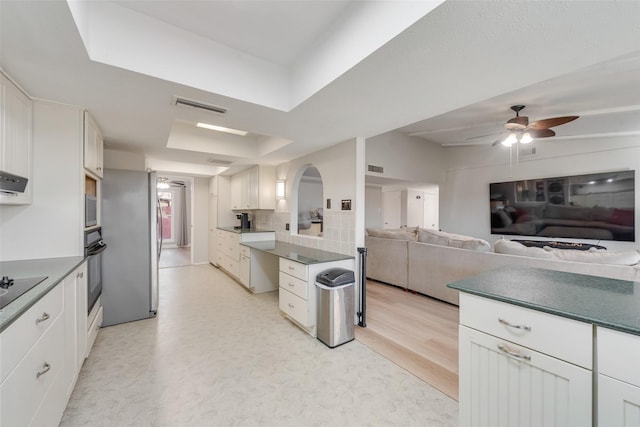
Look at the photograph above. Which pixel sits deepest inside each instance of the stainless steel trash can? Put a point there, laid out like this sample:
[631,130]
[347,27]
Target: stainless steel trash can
[335,290]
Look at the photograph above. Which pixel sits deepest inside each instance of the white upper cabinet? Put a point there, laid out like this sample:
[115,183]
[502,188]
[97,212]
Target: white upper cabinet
[254,188]
[93,145]
[16,144]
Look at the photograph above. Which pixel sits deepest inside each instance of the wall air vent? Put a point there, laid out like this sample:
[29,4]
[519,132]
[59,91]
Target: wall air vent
[200,105]
[218,161]
[373,168]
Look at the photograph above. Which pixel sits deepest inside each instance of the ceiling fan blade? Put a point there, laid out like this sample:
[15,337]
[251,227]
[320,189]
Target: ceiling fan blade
[541,133]
[549,123]
[497,141]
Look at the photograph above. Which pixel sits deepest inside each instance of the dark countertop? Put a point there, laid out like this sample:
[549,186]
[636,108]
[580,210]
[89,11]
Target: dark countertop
[245,230]
[601,301]
[55,268]
[301,254]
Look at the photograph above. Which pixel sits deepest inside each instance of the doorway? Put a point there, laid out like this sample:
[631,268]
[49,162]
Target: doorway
[175,194]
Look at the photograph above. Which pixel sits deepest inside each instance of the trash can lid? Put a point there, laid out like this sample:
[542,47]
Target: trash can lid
[335,277]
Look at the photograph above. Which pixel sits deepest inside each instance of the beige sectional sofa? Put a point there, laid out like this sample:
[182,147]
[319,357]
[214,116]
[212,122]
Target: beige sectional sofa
[400,258]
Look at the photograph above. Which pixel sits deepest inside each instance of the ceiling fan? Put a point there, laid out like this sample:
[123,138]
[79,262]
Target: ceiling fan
[521,131]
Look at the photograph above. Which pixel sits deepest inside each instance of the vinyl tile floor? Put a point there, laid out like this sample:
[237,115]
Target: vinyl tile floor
[217,355]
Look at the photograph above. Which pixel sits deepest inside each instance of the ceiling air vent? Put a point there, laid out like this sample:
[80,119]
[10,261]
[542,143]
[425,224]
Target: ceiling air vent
[373,168]
[200,105]
[218,161]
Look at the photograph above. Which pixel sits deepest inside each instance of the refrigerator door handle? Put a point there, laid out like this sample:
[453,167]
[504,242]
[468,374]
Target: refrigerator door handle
[161,233]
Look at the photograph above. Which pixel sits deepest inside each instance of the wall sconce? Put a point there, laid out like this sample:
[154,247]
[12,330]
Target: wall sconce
[280,189]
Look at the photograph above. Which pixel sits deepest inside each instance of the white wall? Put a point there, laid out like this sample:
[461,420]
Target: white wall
[464,197]
[405,158]
[53,225]
[200,243]
[373,206]
[336,165]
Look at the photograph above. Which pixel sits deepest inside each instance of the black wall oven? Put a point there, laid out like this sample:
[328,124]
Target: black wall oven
[93,248]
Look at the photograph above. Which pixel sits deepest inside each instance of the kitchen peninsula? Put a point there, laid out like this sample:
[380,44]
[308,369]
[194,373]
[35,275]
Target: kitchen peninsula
[548,347]
[292,270]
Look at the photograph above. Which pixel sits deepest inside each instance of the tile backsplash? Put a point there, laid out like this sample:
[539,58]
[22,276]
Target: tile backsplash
[338,230]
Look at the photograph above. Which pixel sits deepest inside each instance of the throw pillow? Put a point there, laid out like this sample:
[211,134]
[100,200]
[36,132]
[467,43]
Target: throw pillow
[504,246]
[623,217]
[400,234]
[597,257]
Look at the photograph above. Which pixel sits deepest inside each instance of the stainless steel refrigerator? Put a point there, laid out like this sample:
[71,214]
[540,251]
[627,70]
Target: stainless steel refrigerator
[130,220]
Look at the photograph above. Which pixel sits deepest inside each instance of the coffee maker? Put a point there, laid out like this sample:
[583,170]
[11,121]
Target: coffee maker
[244,220]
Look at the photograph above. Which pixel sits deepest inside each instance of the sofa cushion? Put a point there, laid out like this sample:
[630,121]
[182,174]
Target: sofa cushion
[504,246]
[400,234]
[594,256]
[567,212]
[442,238]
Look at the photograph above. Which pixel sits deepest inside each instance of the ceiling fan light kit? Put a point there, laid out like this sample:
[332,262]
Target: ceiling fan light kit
[523,132]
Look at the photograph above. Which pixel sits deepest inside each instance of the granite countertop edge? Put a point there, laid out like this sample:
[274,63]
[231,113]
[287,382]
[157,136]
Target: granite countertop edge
[306,255]
[61,268]
[586,315]
[245,230]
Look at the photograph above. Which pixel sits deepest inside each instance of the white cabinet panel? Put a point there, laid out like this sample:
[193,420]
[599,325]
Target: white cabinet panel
[618,403]
[254,188]
[16,138]
[502,384]
[93,145]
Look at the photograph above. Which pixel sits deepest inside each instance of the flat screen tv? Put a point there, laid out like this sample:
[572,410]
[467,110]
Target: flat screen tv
[598,206]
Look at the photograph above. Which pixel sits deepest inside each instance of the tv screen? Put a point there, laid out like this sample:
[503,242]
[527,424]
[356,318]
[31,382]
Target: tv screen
[597,206]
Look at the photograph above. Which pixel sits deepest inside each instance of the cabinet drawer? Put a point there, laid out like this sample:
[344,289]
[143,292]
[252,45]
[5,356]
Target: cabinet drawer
[18,338]
[293,284]
[231,265]
[618,355]
[245,251]
[293,268]
[563,338]
[23,391]
[294,307]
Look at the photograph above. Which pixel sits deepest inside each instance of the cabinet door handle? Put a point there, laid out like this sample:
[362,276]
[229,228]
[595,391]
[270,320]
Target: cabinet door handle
[291,285]
[291,268]
[44,317]
[511,325]
[291,305]
[505,349]
[45,368]
[80,275]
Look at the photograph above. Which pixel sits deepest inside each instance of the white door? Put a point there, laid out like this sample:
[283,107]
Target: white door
[415,208]
[391,209]
[431,211]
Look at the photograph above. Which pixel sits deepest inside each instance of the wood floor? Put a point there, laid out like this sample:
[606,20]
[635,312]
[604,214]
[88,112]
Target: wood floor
[416,332]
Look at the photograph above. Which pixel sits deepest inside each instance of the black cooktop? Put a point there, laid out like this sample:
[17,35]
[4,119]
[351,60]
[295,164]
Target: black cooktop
[10,289]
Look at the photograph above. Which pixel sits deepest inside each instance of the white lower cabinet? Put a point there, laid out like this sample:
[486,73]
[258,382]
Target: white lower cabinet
[234,258]
[42,353]
[34,392]
[503,384]
[75,325]
[618,378]
[505,380]
[297,290]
